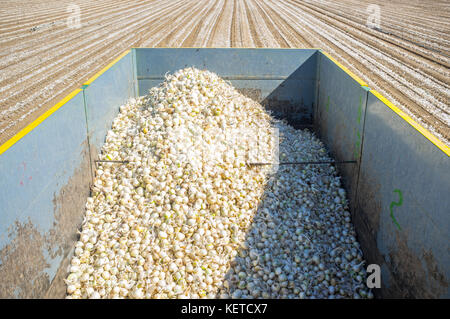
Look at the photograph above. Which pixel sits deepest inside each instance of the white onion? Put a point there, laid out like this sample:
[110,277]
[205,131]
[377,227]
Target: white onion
[186,218]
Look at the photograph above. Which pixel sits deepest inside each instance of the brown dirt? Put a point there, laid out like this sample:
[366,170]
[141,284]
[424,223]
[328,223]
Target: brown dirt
[254,34]
[192,37]
[408,276]
[19,280]
[23,262]
[216,31]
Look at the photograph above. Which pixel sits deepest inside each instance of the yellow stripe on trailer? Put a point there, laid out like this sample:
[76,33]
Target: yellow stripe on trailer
[53,109]
[354,76]
[433,139]
[106,68]
[13,140]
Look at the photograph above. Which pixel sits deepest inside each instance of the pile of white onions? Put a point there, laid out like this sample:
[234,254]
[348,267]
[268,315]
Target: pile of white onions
[185,217]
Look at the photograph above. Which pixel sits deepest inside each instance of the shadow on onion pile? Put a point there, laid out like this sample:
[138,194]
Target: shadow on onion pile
[301,243]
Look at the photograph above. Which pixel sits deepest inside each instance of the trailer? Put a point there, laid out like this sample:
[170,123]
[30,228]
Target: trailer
[396,173]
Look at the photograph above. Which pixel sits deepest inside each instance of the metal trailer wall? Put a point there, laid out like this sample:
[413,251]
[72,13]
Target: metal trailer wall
[43,188]
[104,94]
[339,118]
[397,188]
[284,80]
[45,179]
[403,206]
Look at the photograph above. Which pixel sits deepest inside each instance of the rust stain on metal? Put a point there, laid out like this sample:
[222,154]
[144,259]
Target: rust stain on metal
[296,114]
[69,210]
[409,277]
[23,263]
[433,269]
[366,219]
[367,216]
[254,94]
[24,260]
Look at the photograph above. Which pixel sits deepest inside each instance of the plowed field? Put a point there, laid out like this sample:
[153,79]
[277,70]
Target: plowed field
[407,59]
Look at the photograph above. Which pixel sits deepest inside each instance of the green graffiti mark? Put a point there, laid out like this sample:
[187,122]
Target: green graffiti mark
[328,104]
[357,144]
[360,109]
[358,134]
[391,207]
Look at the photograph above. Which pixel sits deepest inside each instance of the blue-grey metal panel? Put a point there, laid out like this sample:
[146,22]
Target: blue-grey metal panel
[340,118]
[43,187]
[275,95]
[105,95]
[404,205]
[284,80]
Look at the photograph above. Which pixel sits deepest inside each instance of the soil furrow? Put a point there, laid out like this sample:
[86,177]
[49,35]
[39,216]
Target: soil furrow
[354,61]
[407,59]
